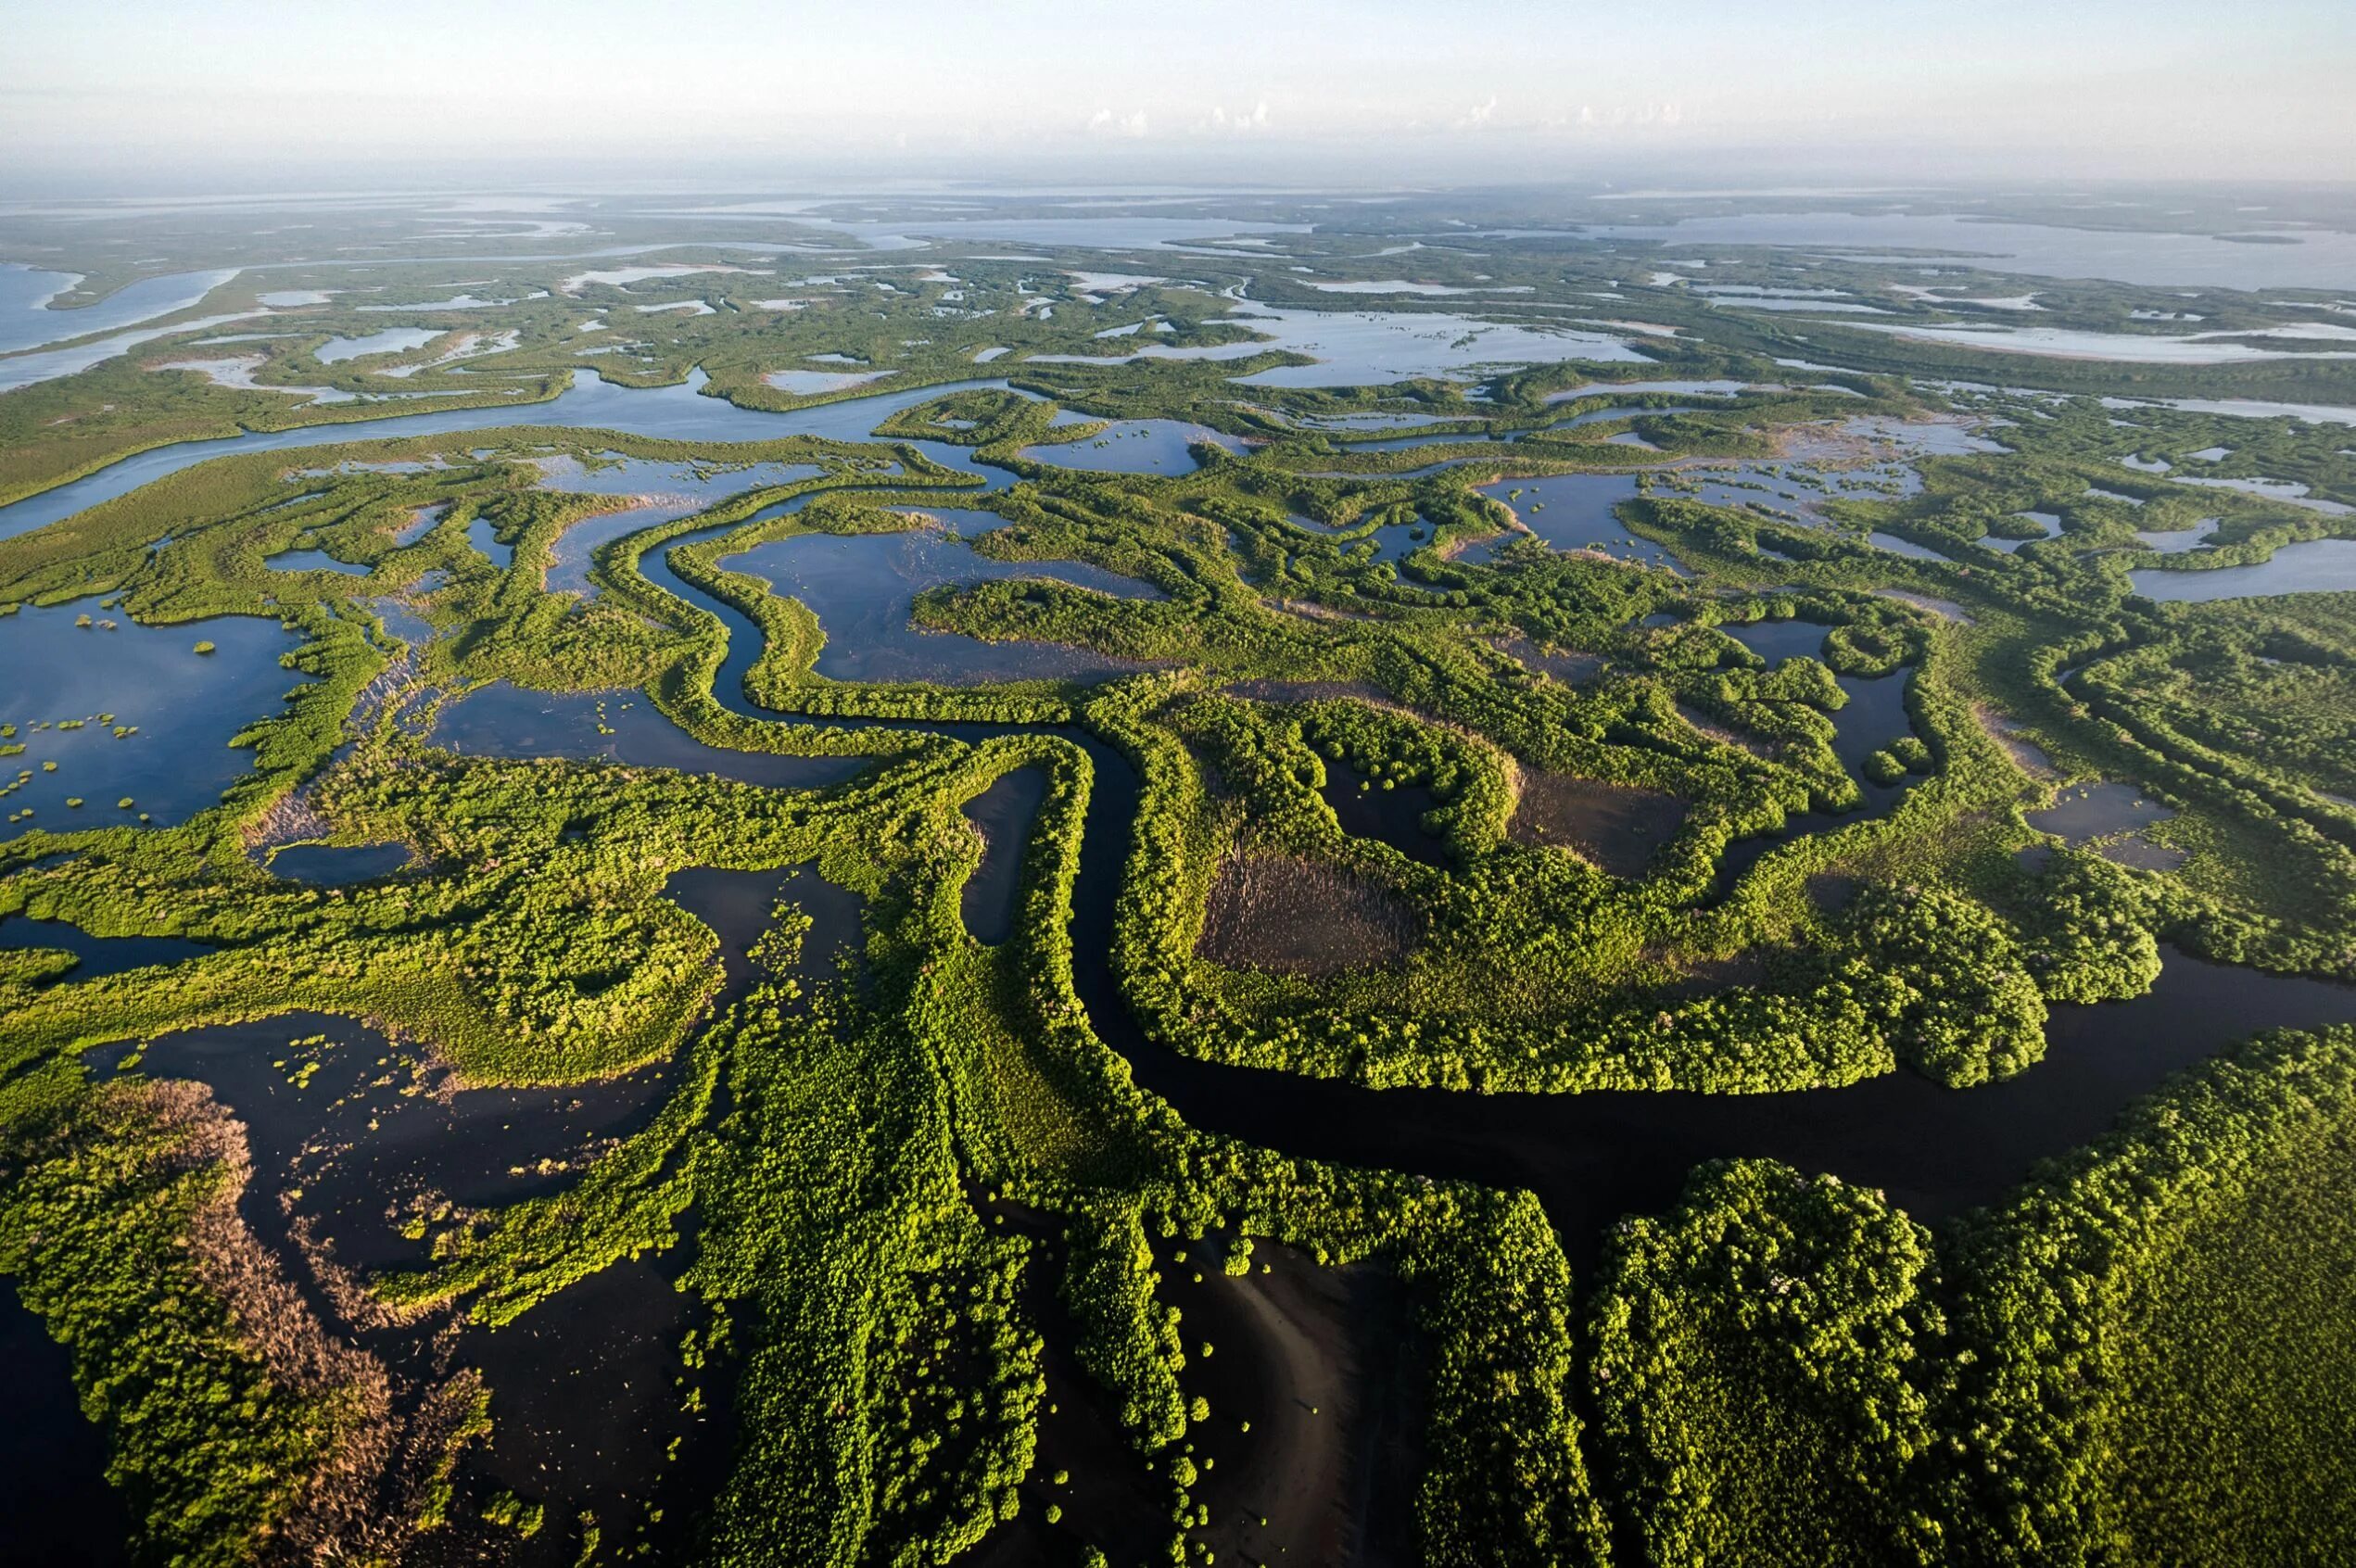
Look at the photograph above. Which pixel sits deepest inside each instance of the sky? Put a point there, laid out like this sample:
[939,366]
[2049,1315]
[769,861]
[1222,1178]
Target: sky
[151,94]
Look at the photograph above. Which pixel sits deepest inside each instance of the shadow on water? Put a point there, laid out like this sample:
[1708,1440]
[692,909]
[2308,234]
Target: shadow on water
[1875,715]
[583,1384]
[55,1507]
[1310,1357]
[1594,1156]
[1778,640]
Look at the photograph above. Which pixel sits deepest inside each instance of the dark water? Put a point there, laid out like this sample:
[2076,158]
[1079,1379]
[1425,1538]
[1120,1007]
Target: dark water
[338,865]
[1394,815]
[1778,640]
[1593,1157]
[97,956]
[56,1508]
[2091,811]
[1004,813]
[584,1402]
[590,1380]
[184,706]
[1876,715]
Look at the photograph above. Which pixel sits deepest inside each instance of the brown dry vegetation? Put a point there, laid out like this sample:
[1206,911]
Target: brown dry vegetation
[1301,917]
[1616,826]
[394,1443]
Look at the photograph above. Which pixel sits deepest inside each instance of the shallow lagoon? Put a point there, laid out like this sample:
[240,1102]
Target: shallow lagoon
[1134,446]
[2320,258]
[392,340]
[338,865]
[2310,566]
[1573,512]
[678,413]
[864,586]
[502,720]
[27,320]
[183,705]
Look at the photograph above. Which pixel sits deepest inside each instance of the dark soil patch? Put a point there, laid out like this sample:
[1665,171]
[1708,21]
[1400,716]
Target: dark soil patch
[1616,826]
[1299,917]
[1571,669]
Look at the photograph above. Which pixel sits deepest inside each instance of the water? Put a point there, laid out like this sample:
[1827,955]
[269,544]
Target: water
[58,1511]
[1380,348]
[2094,810]
[2049,521]
[2251,408]
[2289,492]
[678,413]
[864,588]
[182,706]
[392,340]
[95,956]
[1671,388]
[2311,566]
[312,560]
[2177,542]
[2319,259]
[584,1401]
[1876,715]
[1097,233]
[1574,512]
[2134,348]
[1394,815]
[27,321]
[28,370]
[1593,1156]
[500,720]
[1906,548]
[1778,640]
[483,536]
[810,382]
[1134,446]
[1004,813]
[338,865]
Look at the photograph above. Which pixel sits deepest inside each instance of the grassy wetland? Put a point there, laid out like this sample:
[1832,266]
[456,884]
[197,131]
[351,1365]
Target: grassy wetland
[1417,891]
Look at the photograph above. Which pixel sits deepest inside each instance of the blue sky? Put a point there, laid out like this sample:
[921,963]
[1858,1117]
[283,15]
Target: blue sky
[1378,91]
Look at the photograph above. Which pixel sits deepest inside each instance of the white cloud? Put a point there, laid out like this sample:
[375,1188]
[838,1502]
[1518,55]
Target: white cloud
[1478,114]
[1240,124]
[1104,122]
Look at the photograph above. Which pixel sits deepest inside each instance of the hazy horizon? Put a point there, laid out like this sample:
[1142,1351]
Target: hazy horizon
[148,96]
